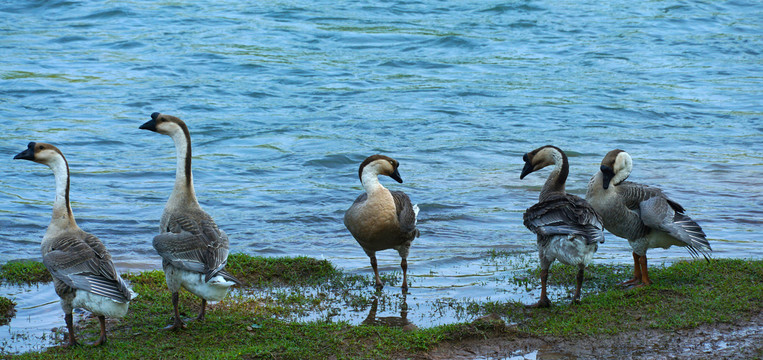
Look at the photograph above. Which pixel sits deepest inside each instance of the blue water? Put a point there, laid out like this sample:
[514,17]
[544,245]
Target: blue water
[284,99]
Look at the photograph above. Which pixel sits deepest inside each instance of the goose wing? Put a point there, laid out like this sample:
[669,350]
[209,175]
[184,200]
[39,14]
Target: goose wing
[406,214]
[564,214]
[194,243]
[659,212]
[81,261]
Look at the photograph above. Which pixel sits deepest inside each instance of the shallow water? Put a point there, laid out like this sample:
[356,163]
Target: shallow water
[284,100]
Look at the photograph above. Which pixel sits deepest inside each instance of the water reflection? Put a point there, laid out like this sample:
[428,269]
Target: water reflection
[390,321]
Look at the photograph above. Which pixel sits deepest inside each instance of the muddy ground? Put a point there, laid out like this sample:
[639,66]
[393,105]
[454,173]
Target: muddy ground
[741,340]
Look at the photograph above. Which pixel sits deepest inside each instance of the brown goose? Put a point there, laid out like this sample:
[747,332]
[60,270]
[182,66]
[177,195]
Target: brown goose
[641,214]
[83,274]
[194,250]
[380,219]
[567,227]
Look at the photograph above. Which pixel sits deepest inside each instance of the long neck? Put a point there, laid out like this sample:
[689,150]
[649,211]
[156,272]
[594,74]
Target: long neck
[183,191]
[62,210]
[370,180]
[558,177]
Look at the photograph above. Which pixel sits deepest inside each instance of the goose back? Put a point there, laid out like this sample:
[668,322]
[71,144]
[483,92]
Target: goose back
[564,214]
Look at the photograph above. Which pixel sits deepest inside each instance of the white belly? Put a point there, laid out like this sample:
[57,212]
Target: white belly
[213,290]
[569,250]
[99,305]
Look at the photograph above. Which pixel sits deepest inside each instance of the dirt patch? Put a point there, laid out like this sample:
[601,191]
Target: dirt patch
[742,340]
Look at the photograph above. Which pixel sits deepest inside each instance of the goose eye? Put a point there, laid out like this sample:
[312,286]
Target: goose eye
[41,147]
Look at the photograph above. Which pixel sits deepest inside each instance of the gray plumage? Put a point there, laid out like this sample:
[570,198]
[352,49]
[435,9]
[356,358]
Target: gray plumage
[79,260]
[564,214]
[642,214]
[567,227]
[193,242]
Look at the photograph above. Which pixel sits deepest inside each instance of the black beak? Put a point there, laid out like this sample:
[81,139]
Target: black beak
[396,175]
[526,170]
[607,175]
[27,154]
[149,125]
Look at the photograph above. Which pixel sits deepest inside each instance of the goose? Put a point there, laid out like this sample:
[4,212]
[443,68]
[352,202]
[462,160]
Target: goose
[567,227]
[194,250]
[83,273]
[641,214]
[380,219]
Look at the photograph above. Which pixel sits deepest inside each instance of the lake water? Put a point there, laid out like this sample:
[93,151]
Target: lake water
[284,99]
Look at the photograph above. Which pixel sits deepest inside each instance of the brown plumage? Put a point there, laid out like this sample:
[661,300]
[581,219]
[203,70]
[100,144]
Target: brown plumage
[380,219]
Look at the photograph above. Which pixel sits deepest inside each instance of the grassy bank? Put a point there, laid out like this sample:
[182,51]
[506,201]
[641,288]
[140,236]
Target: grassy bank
[254,323]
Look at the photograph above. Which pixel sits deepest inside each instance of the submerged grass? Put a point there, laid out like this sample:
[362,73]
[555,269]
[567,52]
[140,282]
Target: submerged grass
[7,310]
[685,294]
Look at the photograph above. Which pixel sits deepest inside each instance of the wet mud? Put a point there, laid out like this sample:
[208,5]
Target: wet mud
[741,340]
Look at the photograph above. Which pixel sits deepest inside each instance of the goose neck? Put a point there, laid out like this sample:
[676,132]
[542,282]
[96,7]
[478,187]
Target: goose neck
[555,183]
[183,189]
[62,211]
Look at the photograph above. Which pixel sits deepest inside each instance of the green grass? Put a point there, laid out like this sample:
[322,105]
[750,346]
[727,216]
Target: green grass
[684,295]
[19,272]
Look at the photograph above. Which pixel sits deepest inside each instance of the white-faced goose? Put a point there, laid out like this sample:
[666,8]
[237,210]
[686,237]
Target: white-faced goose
[194,250]
[83,274]
[380,219]
[641,214]
[567,227]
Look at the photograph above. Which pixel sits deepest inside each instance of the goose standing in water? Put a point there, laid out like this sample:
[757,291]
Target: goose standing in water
[194,250]
[380,219]
[641,214]
[83,274]
[567,227]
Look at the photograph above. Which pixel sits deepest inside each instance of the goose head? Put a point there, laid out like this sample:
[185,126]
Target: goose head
[165,124]
[380,165]
[540,158]
[615,167]
[42,153]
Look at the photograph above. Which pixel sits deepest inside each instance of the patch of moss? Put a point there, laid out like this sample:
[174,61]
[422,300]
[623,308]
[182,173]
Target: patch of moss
[261,271]
[7,310]
[27,271]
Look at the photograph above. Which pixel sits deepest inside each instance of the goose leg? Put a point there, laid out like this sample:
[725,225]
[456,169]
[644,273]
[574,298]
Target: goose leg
[379,284]
[636,272]
[579,285]
[544,302]
[203,309]
[644,272]
[101,339]
[178,323]
[404,265]
[70,327]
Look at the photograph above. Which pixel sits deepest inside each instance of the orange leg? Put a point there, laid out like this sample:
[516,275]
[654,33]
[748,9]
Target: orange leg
[636,271]
[644,272]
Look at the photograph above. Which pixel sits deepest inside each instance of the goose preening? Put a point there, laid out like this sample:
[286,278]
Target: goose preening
[567,227]
[380,219]
[194,250]
[641,214]
[83,274]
